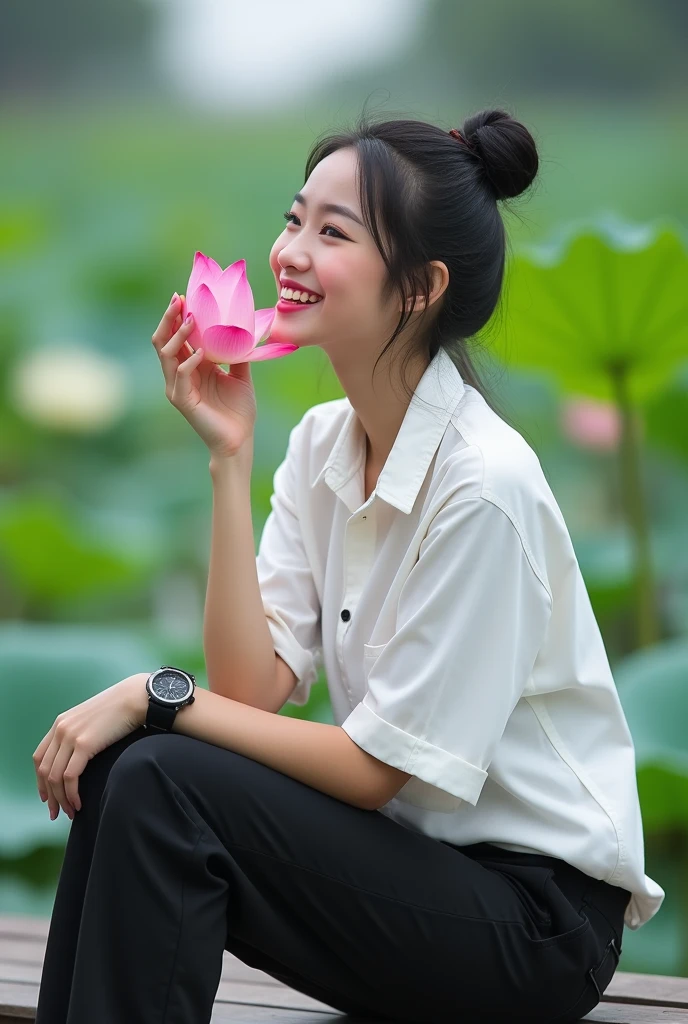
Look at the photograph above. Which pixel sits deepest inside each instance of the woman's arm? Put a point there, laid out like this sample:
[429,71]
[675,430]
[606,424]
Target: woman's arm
[321,755]
[239,652]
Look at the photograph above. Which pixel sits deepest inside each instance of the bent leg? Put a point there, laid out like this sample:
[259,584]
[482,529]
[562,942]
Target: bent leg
[58,962]
[200,849]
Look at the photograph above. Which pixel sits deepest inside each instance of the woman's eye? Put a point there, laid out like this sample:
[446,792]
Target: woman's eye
[291,218]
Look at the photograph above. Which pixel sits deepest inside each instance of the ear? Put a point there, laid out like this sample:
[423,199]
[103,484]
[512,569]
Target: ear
[440,280]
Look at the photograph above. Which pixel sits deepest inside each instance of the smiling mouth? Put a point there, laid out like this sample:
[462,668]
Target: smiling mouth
[311,298]
[289,305]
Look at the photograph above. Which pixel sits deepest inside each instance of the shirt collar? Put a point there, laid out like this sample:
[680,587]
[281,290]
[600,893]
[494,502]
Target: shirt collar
[421,431]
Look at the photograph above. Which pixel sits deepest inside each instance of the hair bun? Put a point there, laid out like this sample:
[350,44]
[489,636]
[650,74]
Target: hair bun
[507,151]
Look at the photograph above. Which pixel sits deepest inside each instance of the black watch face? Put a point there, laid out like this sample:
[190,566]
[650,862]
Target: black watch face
[170,686]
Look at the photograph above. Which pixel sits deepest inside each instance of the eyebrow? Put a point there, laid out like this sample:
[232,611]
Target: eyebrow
[332,208]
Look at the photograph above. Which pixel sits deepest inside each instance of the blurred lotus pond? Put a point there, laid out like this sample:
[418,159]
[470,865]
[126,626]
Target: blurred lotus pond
[105,493]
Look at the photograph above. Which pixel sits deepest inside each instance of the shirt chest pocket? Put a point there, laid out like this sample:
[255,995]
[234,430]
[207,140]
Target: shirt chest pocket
[371,652]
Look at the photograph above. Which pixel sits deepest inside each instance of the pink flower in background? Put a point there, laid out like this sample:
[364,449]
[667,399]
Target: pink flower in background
[591,424]
[227,326]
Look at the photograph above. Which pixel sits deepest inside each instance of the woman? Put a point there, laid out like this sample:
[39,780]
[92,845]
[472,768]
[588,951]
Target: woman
[465,839]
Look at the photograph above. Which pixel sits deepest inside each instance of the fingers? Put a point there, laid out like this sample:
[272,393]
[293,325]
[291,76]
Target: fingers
[53,805]
[182,383]
[45,790]
[56,775]
[50,772]
[175,351]
[166,326]
[176,341]
[75,767]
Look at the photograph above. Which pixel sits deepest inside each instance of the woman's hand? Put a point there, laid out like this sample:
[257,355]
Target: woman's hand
[220,406]
[83,731]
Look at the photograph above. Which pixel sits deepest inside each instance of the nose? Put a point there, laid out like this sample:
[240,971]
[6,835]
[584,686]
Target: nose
[292,254]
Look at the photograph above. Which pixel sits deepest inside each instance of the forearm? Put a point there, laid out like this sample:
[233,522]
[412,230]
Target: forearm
[238,647]
[323,756]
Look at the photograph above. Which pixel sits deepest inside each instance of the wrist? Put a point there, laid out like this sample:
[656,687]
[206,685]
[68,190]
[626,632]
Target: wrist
[137,695]
[240,463]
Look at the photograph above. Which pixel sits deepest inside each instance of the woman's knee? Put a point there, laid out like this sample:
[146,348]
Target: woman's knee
[98,768]
[136,757]
[188,764]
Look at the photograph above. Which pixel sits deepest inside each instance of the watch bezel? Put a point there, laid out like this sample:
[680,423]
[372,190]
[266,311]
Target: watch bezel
[167,701]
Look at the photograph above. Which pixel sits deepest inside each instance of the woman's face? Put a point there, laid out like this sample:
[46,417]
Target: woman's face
[333,255]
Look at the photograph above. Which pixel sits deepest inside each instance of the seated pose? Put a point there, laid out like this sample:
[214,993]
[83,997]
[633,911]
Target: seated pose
[463,841]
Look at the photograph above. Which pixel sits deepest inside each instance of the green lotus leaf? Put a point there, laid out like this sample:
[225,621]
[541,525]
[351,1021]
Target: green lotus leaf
[653,689]
[44,670]
[600,298]
[665,420]
[50,558]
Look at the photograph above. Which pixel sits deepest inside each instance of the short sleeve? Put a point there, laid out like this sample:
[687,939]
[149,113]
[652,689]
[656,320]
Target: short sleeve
[290,599]
[472,615]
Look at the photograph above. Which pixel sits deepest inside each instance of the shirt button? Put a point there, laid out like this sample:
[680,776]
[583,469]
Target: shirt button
[346,614]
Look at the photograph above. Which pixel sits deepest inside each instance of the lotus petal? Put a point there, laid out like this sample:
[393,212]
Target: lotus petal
[227,325]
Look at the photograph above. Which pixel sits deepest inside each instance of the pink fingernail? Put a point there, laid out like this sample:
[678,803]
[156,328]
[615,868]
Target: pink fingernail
[189,318]
[173,300]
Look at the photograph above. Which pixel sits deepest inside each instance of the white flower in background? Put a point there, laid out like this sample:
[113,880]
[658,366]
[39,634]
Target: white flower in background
[69,387]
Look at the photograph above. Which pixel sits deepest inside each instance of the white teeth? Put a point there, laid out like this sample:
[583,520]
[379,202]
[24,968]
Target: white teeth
[298,296]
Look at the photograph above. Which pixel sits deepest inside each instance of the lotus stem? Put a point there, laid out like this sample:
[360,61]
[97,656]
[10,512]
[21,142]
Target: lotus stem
[635,507]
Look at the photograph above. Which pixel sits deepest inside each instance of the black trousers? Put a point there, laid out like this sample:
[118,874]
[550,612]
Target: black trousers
[183,849]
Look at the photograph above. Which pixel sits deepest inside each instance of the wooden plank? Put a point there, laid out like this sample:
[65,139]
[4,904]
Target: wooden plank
[267,1015]
[276,995]
[24,974]
[22,961]
[265,991]
[28,951]
[653,989]
[630,998]
[235,970]
[243,1015]
[22,1009]
[18,1004]
[18,1001]
[13,925]
[31,953]
[627,1013]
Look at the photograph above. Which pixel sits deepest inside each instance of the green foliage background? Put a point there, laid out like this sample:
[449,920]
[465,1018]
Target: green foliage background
[101,210]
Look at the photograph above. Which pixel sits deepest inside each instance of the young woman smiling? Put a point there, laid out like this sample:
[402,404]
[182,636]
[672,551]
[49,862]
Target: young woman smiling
[464,841]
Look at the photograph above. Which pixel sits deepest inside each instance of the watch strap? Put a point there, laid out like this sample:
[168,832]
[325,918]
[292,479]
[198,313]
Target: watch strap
[160,718]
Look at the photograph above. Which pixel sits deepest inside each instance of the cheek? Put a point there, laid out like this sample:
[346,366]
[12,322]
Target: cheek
[341,276]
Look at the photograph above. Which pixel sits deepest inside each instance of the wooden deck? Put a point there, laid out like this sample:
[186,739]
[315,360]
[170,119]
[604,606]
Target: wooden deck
[248,995]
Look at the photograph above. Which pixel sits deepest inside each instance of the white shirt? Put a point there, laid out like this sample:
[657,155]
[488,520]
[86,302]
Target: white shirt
[455,631]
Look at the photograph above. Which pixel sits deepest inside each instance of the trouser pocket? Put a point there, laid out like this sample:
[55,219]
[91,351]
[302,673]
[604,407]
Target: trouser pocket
[604,972]
[601,973]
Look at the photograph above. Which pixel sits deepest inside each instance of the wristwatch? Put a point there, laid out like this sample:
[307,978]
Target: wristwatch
[169,689]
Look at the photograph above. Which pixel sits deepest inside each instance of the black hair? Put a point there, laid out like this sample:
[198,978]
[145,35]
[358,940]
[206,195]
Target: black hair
[426,195]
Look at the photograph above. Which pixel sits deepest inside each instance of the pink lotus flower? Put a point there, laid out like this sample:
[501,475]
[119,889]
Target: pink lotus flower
[227,326]
[591,424]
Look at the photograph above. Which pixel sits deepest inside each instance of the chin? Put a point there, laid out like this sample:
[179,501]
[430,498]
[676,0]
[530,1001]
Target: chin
[280,333]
